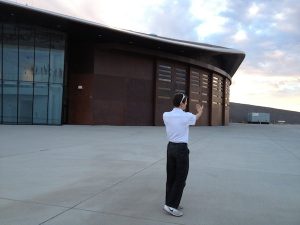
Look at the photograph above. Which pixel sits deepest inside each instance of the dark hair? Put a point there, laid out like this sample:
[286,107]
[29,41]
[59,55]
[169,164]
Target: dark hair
[178,98]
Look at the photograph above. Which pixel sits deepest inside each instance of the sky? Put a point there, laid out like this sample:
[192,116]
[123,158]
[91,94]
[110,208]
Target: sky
[268,31]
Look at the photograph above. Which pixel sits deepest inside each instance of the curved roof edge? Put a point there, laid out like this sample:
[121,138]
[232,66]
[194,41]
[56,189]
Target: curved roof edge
[235,56]
[202,46]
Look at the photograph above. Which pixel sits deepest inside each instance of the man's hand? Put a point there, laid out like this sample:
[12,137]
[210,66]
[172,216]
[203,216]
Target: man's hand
[199,109]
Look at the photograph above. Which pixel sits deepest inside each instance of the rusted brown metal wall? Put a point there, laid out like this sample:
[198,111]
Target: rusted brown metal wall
[217,100]
[80,102]
[226,101]
[200,93]
[171,77]
[202,86]
[122,89]
[80,82]
[117,88]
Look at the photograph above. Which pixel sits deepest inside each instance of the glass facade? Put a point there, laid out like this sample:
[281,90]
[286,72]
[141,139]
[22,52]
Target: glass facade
[31,74]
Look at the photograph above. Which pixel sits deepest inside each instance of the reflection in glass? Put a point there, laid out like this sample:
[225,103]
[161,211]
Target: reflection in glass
[42,50]
[10,101]
[55,103]
[0,58]
[40,103]
[31,59]
[57,58]
[0,73]
[10,52]
[0,101]
[25,103]
[56,66]
[26,54]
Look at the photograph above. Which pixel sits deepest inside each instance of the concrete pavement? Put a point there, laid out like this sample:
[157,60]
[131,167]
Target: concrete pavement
[107,175]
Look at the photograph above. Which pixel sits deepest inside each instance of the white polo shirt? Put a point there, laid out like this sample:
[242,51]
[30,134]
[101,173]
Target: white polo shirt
[177,125]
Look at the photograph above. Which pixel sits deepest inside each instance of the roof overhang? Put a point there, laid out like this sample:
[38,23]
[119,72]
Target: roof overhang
[224,58]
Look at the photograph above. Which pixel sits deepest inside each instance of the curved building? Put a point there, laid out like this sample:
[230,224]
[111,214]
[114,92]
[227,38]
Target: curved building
[56,69]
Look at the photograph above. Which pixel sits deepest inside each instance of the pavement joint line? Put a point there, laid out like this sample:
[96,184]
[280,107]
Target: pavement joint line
[278,144]
[113,185]
[284,148]
[28,153]
[18,154]
[51,218]
[119,182]
[134,217]
[33,202]
[251,170]
[40,150]
[205,141]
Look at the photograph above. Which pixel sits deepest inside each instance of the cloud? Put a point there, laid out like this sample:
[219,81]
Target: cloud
[257,89]
[240,36]
[129,14]
[280,16]
[279,60]
[209,14]
[253,10]
[275,54]
[287,19]
[173,20]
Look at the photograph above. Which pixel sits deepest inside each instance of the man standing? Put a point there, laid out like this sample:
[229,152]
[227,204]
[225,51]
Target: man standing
[177,124]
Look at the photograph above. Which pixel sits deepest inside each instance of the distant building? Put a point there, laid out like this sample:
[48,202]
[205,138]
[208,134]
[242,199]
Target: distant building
[57,69]
[259,117]
[239,114]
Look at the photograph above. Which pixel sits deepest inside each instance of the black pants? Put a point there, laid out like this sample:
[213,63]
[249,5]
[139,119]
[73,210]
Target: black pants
[177,171]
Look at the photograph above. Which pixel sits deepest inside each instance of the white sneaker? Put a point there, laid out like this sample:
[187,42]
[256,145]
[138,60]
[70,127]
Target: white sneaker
[173,211]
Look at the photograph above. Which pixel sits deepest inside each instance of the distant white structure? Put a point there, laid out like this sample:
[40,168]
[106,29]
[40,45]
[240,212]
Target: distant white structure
[255,117]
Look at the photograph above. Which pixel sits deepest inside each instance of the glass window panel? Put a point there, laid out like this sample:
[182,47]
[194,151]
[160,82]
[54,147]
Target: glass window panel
[0,52]
[40,103]
[0,101]
[10,101]
[0,72]
[42,55]
[26,54]
[31,55]
[55,103]
[25,103]
[57,55]
[10,52]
